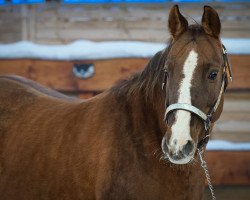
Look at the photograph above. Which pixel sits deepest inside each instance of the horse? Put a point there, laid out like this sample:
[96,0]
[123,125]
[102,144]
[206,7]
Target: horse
[136,140]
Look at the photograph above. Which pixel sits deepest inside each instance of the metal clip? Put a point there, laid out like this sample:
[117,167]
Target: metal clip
[163,85]
[165,79]
[83,71]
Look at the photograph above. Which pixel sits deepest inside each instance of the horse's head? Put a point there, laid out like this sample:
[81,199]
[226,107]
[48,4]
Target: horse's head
[195,70]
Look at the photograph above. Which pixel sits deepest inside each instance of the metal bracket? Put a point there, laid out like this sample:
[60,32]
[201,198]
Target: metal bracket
[83,71]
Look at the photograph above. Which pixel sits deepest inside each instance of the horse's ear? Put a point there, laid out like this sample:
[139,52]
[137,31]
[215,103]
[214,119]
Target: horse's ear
[211,22]
[177,24]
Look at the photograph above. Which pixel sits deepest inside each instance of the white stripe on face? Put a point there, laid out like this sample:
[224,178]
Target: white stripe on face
[181,127]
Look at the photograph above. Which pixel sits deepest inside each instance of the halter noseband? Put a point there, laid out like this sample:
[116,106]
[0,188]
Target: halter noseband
[206,118]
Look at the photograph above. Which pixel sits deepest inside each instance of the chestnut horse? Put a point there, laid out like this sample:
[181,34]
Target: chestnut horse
[109,147]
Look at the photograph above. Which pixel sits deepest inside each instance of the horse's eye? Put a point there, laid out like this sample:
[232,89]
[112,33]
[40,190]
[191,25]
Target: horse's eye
[213,75]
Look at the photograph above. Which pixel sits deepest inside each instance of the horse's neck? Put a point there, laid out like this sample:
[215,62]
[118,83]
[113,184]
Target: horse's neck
[143,92]
[144,109]
[150,110]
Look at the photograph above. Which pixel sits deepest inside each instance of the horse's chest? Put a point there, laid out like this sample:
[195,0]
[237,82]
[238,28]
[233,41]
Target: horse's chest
[147,186]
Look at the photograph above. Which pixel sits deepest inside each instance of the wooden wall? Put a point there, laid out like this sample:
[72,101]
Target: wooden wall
[60,23]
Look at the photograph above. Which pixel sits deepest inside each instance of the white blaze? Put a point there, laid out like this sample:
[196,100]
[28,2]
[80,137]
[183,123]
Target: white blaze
[181,127]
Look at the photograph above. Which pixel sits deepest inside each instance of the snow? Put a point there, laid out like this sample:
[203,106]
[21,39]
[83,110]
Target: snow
[80,49]
[84,50]
[223,145]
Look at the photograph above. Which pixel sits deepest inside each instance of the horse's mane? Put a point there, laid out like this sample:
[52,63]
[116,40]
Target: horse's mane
[147,81]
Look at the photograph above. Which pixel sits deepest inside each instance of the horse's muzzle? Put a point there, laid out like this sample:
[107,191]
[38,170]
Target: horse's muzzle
[178,155]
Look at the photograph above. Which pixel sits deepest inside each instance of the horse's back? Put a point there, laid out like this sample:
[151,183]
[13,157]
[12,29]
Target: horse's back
[13,97]
[18,94]
[12,82]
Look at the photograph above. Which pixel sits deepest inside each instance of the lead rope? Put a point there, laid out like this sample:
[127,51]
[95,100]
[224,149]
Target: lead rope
[205,168]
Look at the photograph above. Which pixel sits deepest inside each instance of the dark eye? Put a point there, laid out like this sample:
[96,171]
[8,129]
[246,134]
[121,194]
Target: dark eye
[213,75]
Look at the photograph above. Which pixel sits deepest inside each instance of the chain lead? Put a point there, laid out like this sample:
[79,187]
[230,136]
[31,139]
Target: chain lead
[205,168]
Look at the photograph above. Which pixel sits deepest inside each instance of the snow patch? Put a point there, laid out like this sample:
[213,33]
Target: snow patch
[79,50]
[222,145]
[84,49]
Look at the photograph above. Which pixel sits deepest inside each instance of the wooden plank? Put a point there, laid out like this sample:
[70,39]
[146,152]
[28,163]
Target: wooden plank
[229,167]
[233,125]
[86,95]
[58,74]
[241,71]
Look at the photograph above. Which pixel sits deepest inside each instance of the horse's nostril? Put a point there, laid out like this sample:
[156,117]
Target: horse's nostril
[188,148]
[164,145]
